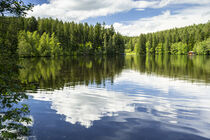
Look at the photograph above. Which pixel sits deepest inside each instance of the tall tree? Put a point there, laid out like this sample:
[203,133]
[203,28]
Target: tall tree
[141,44]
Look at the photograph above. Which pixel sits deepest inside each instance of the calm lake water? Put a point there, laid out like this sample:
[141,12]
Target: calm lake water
[119,98]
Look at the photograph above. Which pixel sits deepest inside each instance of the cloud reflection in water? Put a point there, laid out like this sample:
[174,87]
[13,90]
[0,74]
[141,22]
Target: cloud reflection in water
[84,105]
[177,102]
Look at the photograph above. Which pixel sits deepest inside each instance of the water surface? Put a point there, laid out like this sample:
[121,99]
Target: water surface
[119,98]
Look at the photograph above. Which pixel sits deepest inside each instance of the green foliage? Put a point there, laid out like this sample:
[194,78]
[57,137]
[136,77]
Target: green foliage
[167,43]
[9,29]
[55,46]
[202,47]
[86,48]
[16,7]
[31,44]
[159,49]
[73,38]
[12,115]
[174,41]
[27,43]
[179,48]
[141,45]
[68,38]
[44,45]
[130,46]
[149,47]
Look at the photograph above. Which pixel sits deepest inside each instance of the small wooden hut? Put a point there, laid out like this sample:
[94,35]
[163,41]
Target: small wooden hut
[191,53]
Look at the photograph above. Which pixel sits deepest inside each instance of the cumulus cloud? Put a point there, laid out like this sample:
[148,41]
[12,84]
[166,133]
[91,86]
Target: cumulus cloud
[162,3]
[83,9]
[166,20]
[74,10]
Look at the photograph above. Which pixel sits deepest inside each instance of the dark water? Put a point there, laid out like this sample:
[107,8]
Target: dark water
[119,98]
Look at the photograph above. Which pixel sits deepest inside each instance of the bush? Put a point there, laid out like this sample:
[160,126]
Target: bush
[179,48]
[202,47]
[32,44]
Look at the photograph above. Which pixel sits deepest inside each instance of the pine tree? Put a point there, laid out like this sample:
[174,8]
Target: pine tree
[141,45]
[167,43]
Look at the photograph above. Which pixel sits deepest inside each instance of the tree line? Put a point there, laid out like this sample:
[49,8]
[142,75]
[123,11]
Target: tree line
[29,35]
[174,41]
[34,37]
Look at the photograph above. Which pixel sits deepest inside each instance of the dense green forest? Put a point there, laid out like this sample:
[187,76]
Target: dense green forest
[49,37]
[174,41]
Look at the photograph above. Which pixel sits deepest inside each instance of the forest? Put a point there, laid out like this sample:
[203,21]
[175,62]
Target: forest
[31,37]
[174,41]
[48,37]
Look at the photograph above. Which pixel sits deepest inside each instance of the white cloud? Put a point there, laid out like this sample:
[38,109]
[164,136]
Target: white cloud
[78,10]
[186,1]
[162,3]
[179,18]
[83,9]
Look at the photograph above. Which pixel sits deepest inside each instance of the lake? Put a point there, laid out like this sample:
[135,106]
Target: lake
[118,97]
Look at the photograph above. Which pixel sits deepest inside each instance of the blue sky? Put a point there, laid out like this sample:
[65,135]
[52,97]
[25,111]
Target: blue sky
[129,17]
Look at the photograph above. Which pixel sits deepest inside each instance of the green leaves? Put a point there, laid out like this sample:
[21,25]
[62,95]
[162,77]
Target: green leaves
[31,44]
[202,47]
[159,49]
[141,44]
[174,41]
[179,48]
[12,115]
[16,7]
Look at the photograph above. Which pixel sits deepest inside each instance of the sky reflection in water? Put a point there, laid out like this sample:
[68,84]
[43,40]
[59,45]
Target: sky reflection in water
[119,97]
[137,100]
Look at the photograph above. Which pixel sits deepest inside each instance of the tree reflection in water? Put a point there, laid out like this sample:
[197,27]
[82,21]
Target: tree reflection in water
[13,116]
[61,72]
[54,73]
